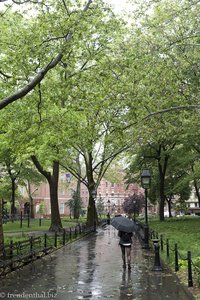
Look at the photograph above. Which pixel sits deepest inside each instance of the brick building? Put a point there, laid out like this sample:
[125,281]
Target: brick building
[112,195]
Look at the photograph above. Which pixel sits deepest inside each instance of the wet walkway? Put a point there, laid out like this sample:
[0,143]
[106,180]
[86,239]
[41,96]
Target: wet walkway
[91,268]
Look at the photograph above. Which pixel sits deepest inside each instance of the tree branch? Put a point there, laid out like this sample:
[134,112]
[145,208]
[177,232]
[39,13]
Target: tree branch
[46,174]
[30,86]
[159,112]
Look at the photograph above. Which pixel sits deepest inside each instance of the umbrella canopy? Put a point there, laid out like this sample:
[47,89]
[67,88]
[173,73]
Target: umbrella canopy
[123,224]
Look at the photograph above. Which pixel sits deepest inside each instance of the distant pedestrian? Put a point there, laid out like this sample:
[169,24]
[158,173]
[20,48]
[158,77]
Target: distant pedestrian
[125,243]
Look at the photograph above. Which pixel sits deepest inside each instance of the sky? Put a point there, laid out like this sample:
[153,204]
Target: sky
[119,5]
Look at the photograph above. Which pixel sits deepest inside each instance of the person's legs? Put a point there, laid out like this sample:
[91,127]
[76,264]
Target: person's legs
[128,253]
[123,255]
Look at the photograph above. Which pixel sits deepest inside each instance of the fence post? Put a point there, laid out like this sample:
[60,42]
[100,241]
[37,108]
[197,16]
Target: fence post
[31,247]
[190,281]
[28,219]
[21,219]
[45,243]
[11,254]
[64,236]
[79,226]
[176,258]
[167,245]
[56,237]
[11,249]
[157,265]
[161,242]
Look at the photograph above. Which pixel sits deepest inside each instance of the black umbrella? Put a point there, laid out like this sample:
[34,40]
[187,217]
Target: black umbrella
[123,224]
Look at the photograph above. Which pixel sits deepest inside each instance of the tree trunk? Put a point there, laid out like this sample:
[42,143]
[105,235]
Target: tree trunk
[56,224]
[1,230]
[91,212]
[77,200]
[197,191]
[32,215]
[52,179]
[162,195]
[13,210]
[78,191]
[92,217]
[169,202]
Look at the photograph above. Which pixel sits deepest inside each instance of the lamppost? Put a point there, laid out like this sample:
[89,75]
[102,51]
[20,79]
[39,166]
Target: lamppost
[94,194]
[145,181]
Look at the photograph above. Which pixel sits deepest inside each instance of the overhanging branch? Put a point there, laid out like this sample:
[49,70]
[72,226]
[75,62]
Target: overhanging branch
[30,86]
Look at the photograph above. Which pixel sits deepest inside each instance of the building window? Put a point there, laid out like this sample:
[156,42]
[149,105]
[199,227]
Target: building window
[62,177]
[61,192]
[61,208]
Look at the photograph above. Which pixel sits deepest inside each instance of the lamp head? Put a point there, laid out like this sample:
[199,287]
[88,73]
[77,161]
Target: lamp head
[145,179]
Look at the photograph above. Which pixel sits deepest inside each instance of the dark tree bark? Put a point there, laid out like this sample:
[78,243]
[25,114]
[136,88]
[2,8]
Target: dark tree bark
[169,202]
[91,213]
[162,167]
[13,210]
[52,179]
[32,214]
[197,191]
[78,191]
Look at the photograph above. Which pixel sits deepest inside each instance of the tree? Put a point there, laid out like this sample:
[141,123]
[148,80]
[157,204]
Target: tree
[30,179]
[66,38]
[75,204]
[52,178]
[133,204]
[12,169]
[51,104]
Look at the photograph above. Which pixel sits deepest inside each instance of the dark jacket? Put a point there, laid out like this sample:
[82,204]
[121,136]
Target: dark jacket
[125,238]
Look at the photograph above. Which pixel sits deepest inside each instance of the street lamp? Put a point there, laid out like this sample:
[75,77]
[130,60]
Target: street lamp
[94,194]
[145,181]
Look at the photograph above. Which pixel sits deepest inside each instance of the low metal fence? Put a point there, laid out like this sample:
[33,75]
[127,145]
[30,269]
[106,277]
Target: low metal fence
[172,253]
[17,254]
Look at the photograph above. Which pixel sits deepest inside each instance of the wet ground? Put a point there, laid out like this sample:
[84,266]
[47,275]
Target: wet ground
[91,268]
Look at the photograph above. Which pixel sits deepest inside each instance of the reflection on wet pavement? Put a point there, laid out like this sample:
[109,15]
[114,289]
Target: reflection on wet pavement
[91,268]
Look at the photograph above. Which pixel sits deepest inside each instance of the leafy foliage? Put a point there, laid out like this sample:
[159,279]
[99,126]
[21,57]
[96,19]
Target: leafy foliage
[133,204]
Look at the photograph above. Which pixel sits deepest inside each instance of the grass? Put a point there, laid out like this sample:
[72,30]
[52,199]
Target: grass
[34,225]
[18,233]
[185,231]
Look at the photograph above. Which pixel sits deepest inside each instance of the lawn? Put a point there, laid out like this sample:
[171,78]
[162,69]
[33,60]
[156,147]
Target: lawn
[34,225]
[185,231]
[13,230]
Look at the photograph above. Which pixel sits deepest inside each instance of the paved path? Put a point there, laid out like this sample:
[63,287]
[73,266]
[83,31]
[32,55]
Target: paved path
[91,268]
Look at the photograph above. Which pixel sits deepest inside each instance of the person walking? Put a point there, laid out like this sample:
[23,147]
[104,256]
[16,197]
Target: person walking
[125,243]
